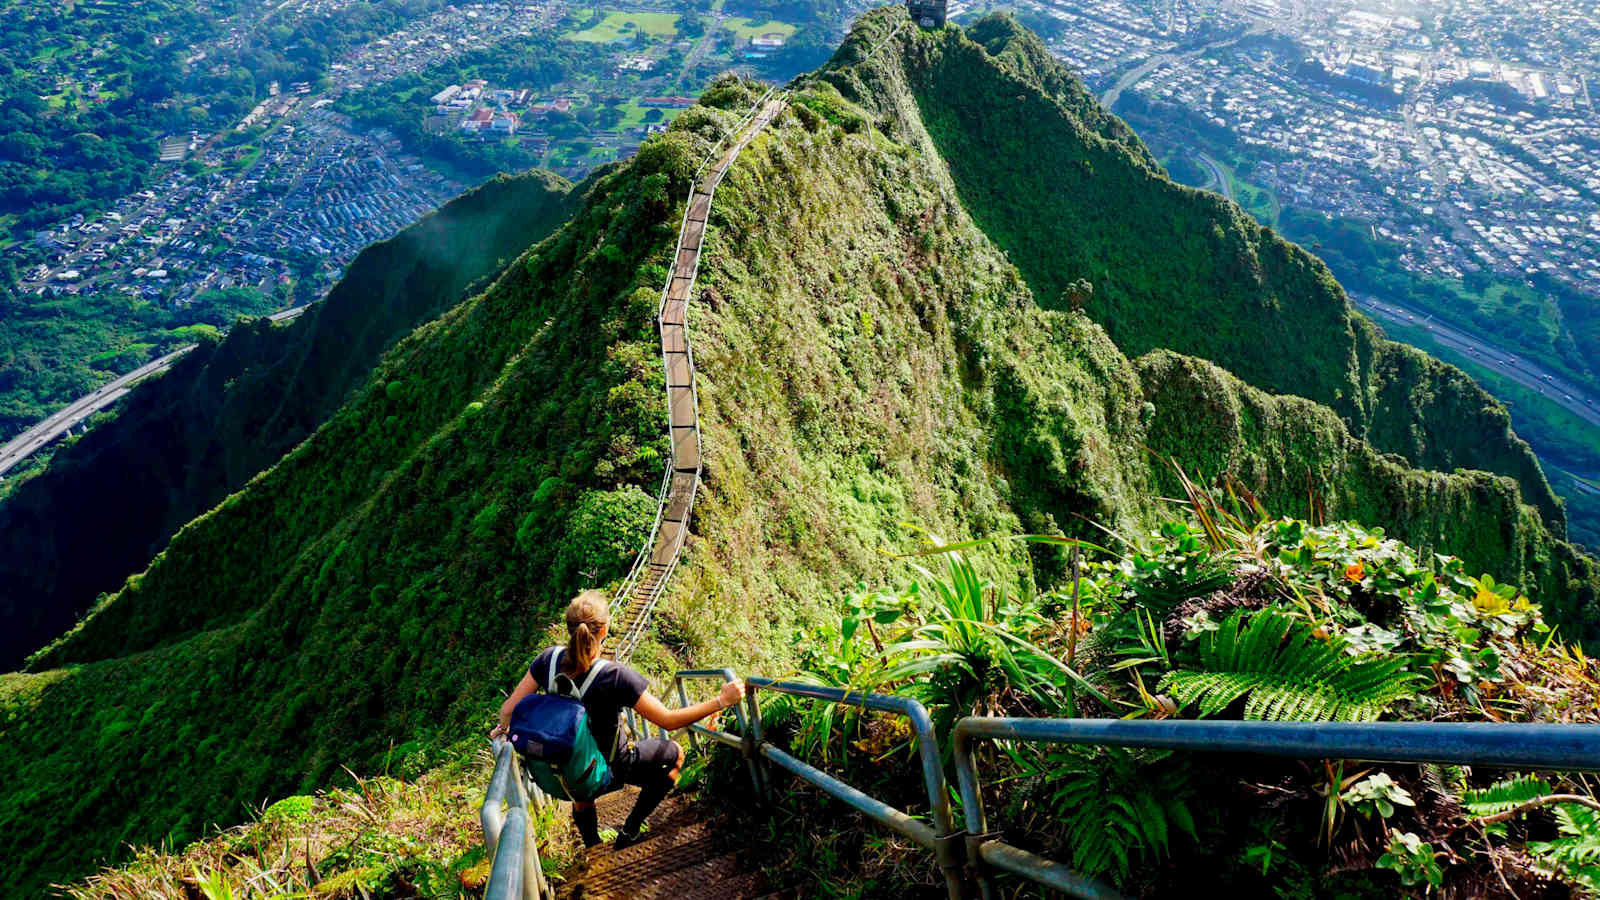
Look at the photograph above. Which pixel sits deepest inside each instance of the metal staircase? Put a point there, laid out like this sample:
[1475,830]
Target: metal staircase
[681,858]
[642,589]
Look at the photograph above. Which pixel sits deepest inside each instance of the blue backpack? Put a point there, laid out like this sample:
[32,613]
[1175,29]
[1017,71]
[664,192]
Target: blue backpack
[550,731]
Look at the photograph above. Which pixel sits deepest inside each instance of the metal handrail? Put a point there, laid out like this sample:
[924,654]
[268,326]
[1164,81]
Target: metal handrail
[625,600]
[942,838]
[516,874]
[1545,747]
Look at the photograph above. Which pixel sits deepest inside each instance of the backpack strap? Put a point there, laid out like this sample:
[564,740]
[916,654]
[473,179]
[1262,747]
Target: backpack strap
[550,678]
[555,661]
[593,671]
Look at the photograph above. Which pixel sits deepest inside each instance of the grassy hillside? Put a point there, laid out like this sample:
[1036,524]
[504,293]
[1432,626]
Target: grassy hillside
[182,443]
[868,357]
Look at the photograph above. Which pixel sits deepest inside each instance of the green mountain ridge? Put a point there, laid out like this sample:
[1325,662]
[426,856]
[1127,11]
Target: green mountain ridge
[867,356]
[229,410]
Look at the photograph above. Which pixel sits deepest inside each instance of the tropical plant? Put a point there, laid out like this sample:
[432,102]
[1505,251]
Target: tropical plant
[1503,796]
[1286,673]
[1377,793]
[1413,859]
[848,655]
[970,639]
[1115,808]
[1575,855]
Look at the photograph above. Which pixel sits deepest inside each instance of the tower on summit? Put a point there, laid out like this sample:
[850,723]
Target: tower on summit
[927,13]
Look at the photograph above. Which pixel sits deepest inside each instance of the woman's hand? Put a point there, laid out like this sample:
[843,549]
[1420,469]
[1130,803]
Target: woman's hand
[498,732]
[731,694]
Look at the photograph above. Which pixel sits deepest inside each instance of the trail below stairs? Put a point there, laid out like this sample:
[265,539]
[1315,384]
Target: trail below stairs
[683,856]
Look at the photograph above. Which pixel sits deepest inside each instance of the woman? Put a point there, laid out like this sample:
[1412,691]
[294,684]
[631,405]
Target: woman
[653,763]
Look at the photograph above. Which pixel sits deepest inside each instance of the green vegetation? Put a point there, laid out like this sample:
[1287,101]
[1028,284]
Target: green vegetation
[1192,274]
[867,356]
[229,410]
[1541,320]
[373,837]
[621,26]
[1223,614]
[533,62]
[54,350]
[745,29]
[1563,440]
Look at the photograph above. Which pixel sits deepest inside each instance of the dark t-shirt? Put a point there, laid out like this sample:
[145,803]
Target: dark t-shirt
[616,688]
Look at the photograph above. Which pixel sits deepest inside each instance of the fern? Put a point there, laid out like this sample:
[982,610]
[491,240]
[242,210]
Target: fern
[1504,795]
[1117,808]
[1287,674]
[1575,855]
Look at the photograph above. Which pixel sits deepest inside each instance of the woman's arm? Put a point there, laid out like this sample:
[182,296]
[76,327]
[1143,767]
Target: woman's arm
[673,719]
[524,687]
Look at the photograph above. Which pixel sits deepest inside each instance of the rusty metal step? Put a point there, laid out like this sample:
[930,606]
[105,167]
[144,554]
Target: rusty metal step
[681,857]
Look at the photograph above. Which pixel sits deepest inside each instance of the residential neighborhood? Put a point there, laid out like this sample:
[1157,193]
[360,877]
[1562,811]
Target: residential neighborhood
[280,201]
[1465,131]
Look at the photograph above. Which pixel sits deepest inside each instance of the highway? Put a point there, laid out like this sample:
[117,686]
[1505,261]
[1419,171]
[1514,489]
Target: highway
[1130,78]
[1224,186]
[63,420]
[1530,375]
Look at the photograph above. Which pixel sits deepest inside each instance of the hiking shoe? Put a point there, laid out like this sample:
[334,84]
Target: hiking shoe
[627,839]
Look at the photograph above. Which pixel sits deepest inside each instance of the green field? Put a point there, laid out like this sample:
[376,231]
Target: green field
[618,25]
[746,30]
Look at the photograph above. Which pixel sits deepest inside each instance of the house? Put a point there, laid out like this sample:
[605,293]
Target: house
[504,123]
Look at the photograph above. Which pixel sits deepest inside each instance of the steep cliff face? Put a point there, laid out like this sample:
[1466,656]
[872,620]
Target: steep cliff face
[1068,192]
[227,411]
[867,357]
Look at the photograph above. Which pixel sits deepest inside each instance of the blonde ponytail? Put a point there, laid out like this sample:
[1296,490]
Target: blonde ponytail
[586,616]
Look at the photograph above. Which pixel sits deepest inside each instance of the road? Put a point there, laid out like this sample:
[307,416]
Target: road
[1132,77]
[63,420]
[1561,391]
[694,56]
[1225,187]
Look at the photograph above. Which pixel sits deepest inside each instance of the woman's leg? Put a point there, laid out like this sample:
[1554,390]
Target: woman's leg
[656,770]
[587,820]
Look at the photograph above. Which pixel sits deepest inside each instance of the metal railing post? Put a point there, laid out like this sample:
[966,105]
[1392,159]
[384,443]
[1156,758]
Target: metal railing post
[751,744]
[972,806]
[947,848]
[683,703]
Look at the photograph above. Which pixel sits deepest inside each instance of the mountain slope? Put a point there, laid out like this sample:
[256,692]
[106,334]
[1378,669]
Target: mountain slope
[1182,269]
[182,443]
[866,357]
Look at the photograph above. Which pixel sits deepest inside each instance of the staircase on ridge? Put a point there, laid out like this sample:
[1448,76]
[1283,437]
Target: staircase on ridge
[682,856]
[637,598]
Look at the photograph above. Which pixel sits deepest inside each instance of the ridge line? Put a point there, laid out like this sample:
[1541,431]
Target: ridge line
[636,599]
